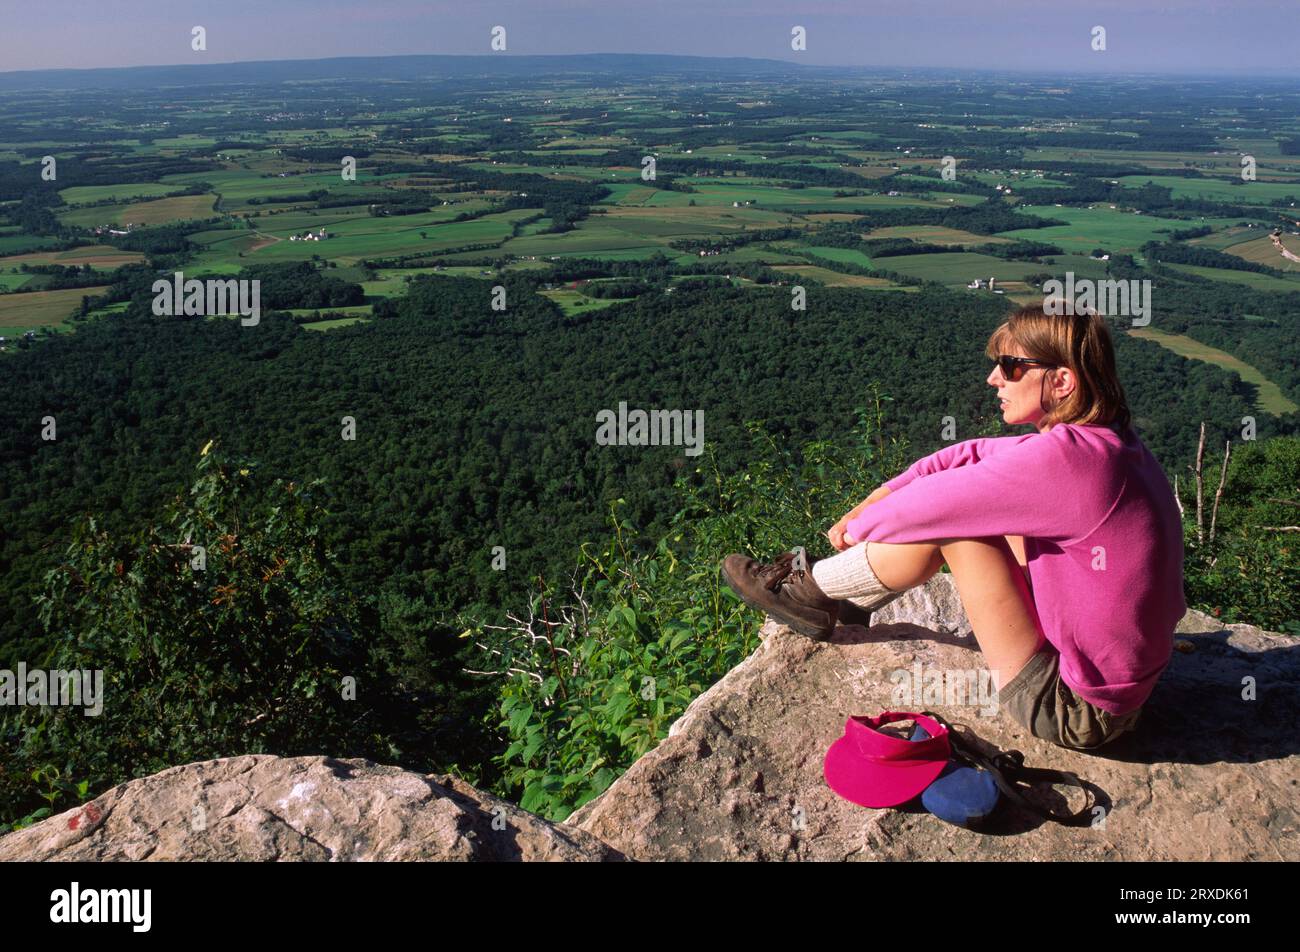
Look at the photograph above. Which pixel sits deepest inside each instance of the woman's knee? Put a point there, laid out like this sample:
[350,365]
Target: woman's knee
[984,547]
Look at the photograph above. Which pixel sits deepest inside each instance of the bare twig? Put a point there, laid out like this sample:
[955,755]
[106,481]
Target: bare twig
[1223,476]
[1177,500]
[1200,517]
[509,671]
[1279,528]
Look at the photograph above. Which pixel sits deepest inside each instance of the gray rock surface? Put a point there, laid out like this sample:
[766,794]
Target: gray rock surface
[1207,775]
[261,807]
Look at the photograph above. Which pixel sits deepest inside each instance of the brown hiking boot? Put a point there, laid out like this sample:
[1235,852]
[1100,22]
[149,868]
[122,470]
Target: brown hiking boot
[784,589]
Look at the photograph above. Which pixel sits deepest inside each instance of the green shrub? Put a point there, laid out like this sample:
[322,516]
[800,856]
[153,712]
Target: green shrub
[245,655]
[1250,571]
[594,674]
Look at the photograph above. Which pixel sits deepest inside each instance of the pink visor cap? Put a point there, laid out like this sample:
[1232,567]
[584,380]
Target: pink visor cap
[873,769]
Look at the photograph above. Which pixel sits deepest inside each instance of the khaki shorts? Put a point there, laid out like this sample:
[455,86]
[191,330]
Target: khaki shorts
[1039,700]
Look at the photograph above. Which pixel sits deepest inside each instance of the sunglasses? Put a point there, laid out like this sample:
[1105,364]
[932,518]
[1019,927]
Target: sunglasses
[1013,368]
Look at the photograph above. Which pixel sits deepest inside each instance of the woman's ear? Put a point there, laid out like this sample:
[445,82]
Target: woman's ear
[1064,383]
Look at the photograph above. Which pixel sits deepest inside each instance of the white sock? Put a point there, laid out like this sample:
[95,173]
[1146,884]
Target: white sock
[849,575]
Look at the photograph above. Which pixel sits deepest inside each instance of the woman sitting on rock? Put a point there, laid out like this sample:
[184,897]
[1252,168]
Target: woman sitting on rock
[1065,544]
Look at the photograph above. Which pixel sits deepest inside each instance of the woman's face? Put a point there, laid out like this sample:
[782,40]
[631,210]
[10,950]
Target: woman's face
[1020,399]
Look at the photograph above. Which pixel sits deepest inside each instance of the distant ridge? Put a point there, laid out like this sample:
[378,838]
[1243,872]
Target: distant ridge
[408,68]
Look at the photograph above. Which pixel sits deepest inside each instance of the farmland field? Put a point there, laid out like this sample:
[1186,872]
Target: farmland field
[957,267]
[1271,399]
[1226,238]
[574,302]
[98,256]
[843,255]
[1251,279]
[835,279]
[1262,251]
[23,244]
[31,310]
[1112,229]
[85,194]
[333,323]
[1221,190]
[157,212]
[935,234]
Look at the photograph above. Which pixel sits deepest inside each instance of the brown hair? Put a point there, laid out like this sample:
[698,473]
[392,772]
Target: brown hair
[1081,342]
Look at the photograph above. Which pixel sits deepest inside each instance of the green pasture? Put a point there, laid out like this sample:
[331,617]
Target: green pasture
[1217,189]
[573,302]
[1227,238]
[1112,229]
[351,310]
[84,194]
[366,237]
[100,257]
[723,192]
[237,186]
[593,235]
[1251,279]
[1014,182]
[1261,251]
[957,267]
[295,222]
[391,282]
[935,234]
[23,312]
[641,253]
[216,236]
[688,221]
[1083,266]
[759,253]
[1153,159]
[158,211]
[836,279]
[528,264]
[335,322]
[843,255]
[22,244]
[1270,400]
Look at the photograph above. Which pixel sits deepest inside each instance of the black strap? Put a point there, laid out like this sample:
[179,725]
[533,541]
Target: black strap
[1008,768]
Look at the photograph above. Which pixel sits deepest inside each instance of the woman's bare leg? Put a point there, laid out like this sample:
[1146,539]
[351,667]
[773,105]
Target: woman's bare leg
[902,565]
[993,587]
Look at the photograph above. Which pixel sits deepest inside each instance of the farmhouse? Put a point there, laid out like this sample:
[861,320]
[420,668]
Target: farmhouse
[311,236]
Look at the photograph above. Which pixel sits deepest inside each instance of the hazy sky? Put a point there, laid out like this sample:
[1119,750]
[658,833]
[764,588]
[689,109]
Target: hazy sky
[1141,35]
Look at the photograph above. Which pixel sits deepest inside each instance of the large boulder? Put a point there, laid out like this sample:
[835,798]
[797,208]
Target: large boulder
[261,807]
[1208,775]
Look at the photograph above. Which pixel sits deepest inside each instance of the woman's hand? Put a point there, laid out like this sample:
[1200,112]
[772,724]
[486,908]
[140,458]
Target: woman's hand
[837,535]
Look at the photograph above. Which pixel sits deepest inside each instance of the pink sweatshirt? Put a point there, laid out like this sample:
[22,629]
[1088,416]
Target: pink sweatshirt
[1103,540]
